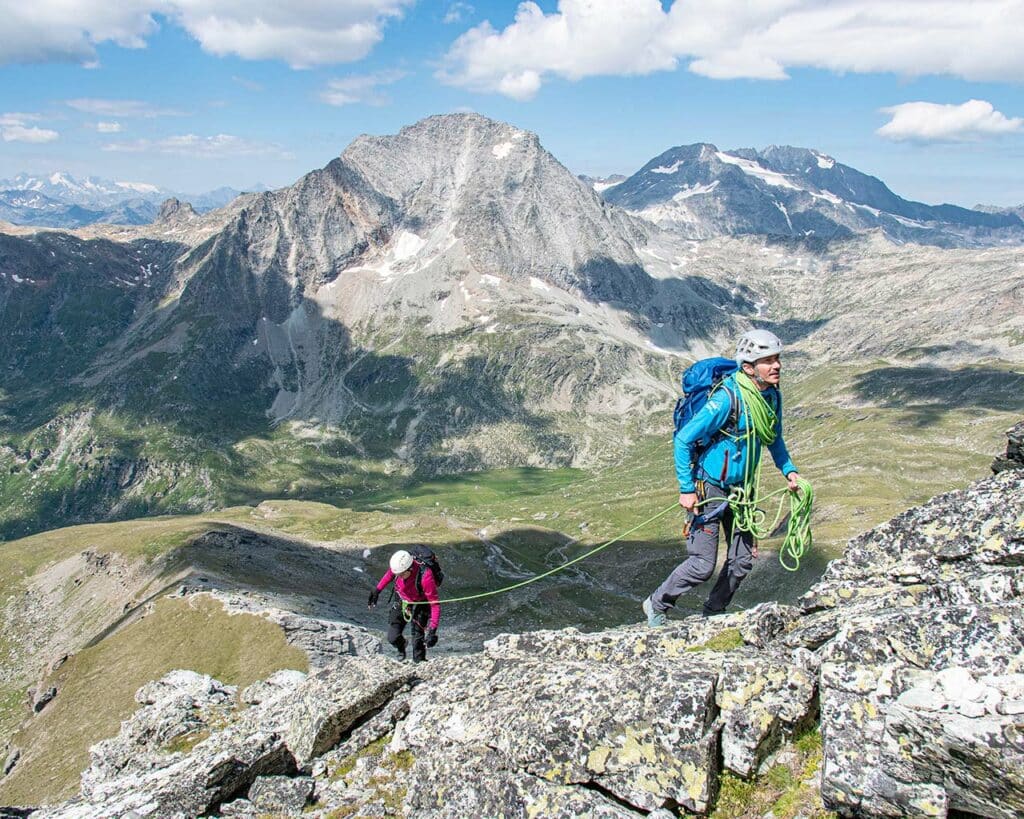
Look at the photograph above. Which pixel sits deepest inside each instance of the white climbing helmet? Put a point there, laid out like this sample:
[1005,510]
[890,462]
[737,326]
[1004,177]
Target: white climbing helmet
[400,561]
[755,344]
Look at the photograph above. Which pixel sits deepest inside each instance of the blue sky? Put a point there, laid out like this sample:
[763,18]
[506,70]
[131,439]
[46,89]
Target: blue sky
[194,94]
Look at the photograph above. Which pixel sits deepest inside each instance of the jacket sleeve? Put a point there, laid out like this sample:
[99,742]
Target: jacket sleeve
[778,448]
[430,592]
[712,417]
[387,578]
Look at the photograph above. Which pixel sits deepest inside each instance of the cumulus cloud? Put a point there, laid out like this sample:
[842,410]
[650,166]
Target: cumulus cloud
[53,30]
[730,39]
[362,88]
[128,109]
[313,32]
[202,147]
[108,127]
[14,127]
[931,122]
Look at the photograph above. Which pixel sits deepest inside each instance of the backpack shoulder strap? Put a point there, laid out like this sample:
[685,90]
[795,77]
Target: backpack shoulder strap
[732,424]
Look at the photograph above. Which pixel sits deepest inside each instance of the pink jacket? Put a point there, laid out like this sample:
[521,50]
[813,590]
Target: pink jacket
[406,588]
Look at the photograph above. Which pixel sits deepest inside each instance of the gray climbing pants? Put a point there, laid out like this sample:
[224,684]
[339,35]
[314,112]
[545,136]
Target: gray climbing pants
[701,555]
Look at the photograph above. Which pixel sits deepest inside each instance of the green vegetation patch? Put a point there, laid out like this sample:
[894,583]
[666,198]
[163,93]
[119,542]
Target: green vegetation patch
[785,791]
[96,688]
[727,640]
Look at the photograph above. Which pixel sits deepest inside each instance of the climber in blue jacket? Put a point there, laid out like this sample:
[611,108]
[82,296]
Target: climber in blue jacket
[706,476]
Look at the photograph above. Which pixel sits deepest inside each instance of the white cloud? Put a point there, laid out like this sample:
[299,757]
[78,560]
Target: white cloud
[359,88]
[303,34]
[108,127]
[211,147]
[22,133]
[122,108]
[15,118]
[931,122]
[729,39]
[52,30]
[457,12]
[14,127]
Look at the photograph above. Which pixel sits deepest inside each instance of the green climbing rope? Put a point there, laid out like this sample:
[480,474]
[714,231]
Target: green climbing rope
[760,421]
[406,604]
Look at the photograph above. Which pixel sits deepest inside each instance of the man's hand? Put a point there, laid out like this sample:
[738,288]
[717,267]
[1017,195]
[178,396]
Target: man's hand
[688,500]
[753,550]
[793,480]
[373,599]
[431,638]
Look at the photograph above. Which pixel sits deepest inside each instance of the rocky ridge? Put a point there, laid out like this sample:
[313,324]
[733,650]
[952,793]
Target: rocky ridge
[909,655]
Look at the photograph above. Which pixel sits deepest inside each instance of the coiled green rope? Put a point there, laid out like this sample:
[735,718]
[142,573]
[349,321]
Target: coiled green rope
[761,421]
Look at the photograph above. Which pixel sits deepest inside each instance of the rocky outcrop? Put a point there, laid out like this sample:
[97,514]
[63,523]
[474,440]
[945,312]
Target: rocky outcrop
[1014,457]
[909,653]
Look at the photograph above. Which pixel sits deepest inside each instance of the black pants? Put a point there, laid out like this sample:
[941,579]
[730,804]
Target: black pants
[418,624]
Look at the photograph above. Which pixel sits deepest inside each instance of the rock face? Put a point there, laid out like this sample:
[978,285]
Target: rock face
[1014,457]
[909,652]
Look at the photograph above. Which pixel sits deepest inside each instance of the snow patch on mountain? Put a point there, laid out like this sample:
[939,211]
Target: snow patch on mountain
[406,245]
[753,169]
[502,149]
[694,190]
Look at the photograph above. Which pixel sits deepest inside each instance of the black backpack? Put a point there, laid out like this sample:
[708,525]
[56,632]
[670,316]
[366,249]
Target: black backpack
[425,558]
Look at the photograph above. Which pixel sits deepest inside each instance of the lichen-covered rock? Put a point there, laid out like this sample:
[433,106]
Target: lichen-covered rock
[217,770]
[480,781]
[760,695]
[277,685]
[962,554]
[644,732]
[329,703]
[971,728]
[179,704]
[281,794]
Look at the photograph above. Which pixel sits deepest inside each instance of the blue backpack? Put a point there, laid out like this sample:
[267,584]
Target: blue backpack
[699,381]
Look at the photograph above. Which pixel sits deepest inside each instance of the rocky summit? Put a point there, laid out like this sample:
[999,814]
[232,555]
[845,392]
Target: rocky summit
[907,657]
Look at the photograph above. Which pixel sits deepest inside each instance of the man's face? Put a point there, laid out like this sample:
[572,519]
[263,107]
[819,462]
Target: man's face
[768,370]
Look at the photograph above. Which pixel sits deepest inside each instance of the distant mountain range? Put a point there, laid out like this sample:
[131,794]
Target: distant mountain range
[445,299]
[701,192]
[62,200]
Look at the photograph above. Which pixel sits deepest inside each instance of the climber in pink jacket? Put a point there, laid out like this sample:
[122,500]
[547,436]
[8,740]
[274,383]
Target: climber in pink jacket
[416,582]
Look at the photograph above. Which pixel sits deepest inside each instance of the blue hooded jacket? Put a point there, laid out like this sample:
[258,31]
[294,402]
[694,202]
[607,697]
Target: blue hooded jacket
[724,462]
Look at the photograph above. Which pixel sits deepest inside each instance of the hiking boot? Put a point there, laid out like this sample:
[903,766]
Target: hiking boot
[401,655]
[655,619]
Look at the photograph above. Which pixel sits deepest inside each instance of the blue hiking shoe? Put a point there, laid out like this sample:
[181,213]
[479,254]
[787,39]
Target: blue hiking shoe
[655,619]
